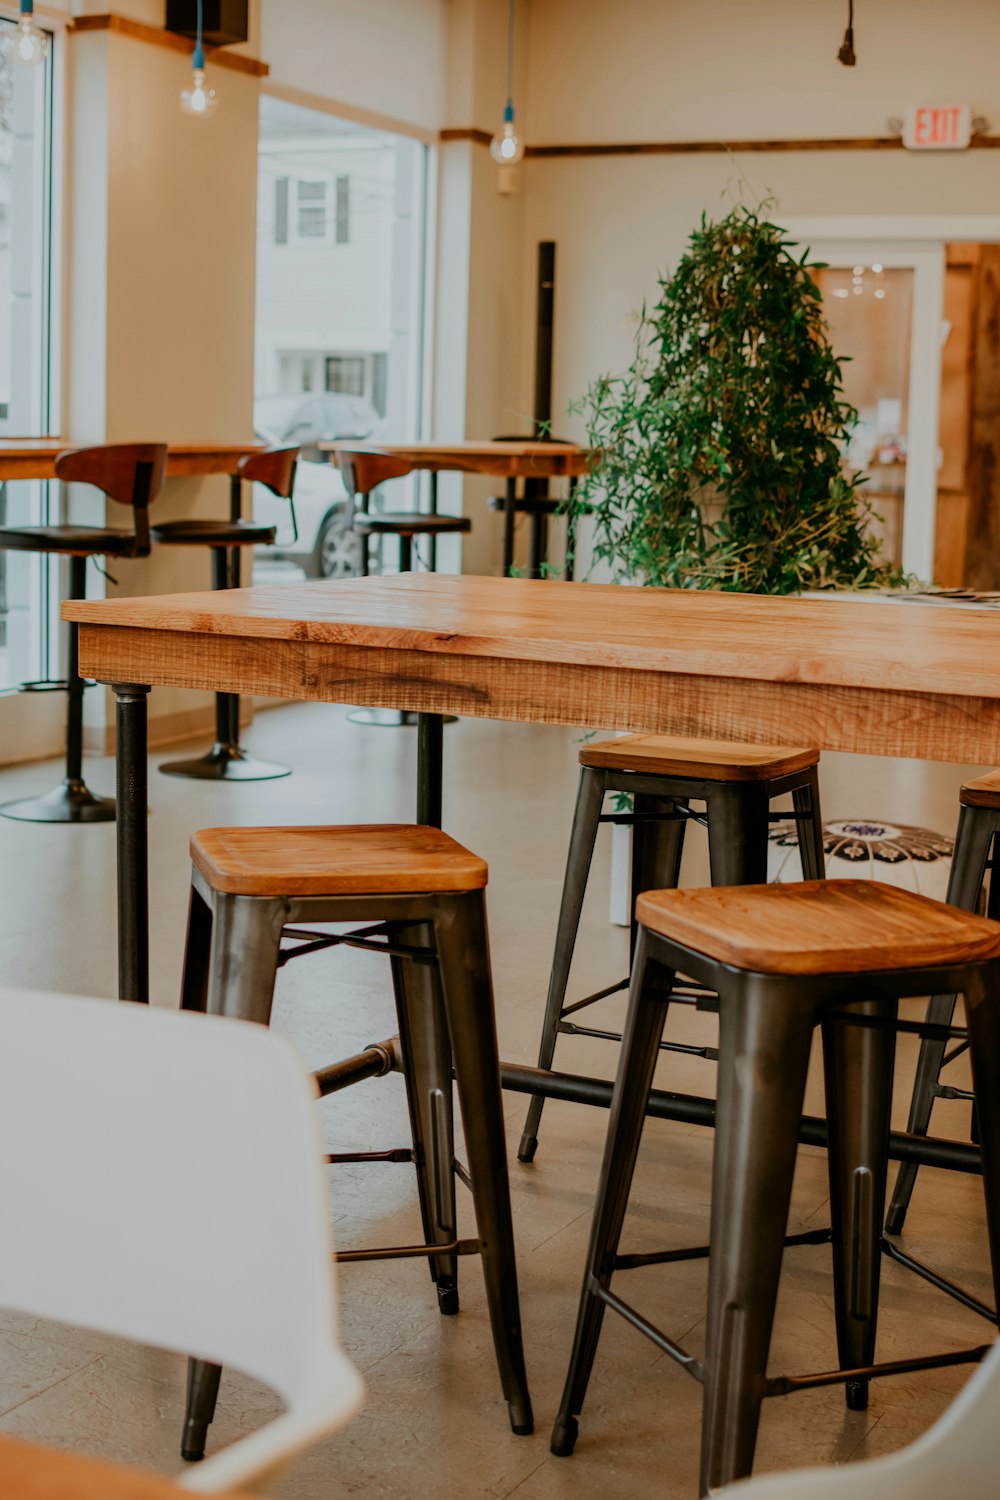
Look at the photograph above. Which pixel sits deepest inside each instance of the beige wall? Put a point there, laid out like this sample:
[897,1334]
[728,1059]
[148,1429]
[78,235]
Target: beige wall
[160,240]
[648,70]
[383,56]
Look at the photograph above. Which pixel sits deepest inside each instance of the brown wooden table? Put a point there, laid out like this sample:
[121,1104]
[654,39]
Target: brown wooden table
[510,461]
[35,458]
[28,1472]
[884,678]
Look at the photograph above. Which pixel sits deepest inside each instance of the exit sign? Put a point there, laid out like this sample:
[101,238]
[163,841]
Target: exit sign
[930,128]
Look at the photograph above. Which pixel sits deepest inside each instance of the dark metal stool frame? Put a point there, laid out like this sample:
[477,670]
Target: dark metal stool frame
[766,1029]
[275,468]
[439,952]
[973,855]
[737,816]
[131,474]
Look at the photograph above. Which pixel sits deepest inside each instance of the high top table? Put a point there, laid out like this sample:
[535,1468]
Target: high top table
[504,459]
[35,458]
[882,678]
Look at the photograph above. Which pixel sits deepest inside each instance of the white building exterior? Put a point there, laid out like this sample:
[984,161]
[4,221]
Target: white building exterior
[339,216]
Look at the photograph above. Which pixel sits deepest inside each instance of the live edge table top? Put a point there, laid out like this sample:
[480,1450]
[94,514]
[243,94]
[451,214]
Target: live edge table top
[502,459]
[35,458]
[875,677]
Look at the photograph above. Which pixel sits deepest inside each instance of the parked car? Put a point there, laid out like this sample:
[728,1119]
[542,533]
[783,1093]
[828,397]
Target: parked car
[326,545]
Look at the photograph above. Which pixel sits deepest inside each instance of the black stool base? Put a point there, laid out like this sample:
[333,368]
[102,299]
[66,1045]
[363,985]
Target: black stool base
[226,763]
[447,1291]
[522,1422]
[70,802]
[564,1436]
[390,718]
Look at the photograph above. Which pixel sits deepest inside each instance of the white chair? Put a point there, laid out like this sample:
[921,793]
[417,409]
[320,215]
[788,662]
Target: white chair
[959,1455]
[105,1110]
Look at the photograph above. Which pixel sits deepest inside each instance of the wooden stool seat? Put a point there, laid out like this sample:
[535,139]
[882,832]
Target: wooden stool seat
[708,760]
[408,523]
[983,792]
[204,533]
[72,541]
[819,927]
[367,859]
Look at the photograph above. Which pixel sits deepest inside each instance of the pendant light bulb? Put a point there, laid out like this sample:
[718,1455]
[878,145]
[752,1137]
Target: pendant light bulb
[27,44]
[198,100]
[507,147]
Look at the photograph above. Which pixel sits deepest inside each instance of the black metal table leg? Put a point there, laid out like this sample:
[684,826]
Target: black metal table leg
[133,854]
[430,769]
[510,499]
[432,541]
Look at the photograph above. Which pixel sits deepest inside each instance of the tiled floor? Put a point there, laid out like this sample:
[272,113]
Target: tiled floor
[434,1423]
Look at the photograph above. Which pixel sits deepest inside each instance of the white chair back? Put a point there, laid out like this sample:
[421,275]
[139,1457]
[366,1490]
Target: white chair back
[161,1179]
[958,1456]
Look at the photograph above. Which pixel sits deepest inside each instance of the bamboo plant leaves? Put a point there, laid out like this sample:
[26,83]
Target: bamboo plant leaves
[721,445]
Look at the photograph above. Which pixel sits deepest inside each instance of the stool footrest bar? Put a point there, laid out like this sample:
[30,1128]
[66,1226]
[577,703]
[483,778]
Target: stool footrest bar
[345,1158]
[701,1252]
[693,1109]
[410,1252]
[942,1283]
[783,1385]
[569,1028]
[685,1360]
[374,1062]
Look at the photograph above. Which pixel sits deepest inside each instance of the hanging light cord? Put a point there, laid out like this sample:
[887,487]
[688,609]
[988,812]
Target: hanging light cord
[199,51]
[510,51]
[847,55]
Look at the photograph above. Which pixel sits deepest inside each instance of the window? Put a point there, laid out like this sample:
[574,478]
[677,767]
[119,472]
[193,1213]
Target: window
[346,374]
[281,211]
[339,349]
[28,597]
[312,209]
[343,210]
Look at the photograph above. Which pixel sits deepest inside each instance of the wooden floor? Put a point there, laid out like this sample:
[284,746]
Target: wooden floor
[434,1423]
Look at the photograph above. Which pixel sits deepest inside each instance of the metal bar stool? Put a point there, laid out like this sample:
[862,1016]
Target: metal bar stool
[227,760]
[423,896]
[539,505]
[131,474]
[974,854]
[364,469]
[664,775]
[784,959]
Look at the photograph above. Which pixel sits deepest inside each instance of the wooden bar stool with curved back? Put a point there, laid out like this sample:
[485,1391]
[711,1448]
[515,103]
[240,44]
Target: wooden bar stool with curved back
[663,775]
[227,760]
[420,898]
[975,852]
[132,475]
[364,469]
[784,960]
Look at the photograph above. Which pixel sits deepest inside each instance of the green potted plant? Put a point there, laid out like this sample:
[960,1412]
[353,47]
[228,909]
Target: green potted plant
[721,446]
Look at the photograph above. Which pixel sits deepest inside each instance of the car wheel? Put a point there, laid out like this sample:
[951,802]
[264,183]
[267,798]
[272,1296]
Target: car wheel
[338,549]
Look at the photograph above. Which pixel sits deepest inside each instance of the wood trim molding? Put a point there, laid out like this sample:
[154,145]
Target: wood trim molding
[219,57]
[704,148]
[697,148]
[478,137]
[343,111]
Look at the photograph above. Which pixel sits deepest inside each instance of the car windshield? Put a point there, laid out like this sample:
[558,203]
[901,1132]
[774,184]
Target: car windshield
[308,420]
